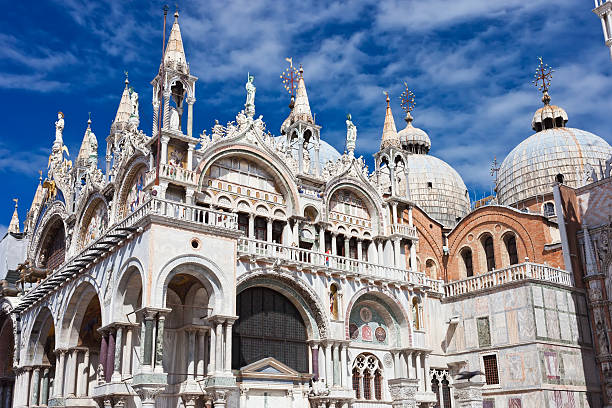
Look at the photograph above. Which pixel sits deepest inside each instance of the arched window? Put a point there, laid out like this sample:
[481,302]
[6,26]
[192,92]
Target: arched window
[466,254]
[52,253]
[430,268]
[363,381]
[548,209]
[510,241]
[487,244]
[269,326]
[367,385]
[357,382]
[378,385]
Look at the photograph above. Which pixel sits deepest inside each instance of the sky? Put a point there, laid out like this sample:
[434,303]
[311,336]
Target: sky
[470,64]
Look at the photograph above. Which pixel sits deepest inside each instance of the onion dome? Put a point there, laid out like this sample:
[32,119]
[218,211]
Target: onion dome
[413,139]
[548,116]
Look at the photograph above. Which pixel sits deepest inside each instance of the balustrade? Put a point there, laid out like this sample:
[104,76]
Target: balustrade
[513,273]
[402,229]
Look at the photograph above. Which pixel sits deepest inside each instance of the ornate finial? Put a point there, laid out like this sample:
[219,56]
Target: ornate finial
[89,120]
[176,10]
[542,79]
[39,175]
[495,169]
[289,77]
[127,81]
[165,9]
[407,102]
[16,200]
[388,100]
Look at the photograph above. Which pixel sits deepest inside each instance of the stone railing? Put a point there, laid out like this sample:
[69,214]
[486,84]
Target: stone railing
[513,273]
[121,230]
[405,230]
[335,264]
[177,173]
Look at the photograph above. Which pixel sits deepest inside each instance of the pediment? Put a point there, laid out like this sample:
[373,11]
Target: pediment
[269,368]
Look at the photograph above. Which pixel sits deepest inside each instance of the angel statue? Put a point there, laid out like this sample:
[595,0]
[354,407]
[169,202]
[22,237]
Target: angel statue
[351,135]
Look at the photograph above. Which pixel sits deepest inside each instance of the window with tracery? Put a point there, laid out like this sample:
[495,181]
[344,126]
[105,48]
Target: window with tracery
[441,387]
[368,377]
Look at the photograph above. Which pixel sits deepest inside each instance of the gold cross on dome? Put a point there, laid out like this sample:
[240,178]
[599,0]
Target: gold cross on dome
[543,76]
[407,99]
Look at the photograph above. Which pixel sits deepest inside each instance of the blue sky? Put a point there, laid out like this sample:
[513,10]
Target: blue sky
[469,62]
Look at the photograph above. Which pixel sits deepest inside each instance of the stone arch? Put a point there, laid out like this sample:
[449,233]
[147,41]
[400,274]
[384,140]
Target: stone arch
[203,269]
[486,252]
[311,213]
[41,338]
[276,168]
[56,211]
[7,347]
[509,248]
[385,303]
[368,197]
[126,179]
[128,295]
[298,292]
[76,310]
[95,210]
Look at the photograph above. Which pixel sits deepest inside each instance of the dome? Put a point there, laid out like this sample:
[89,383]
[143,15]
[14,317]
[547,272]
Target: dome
[437,188]
[412,136]
[533,165]
[326,152]
[548,116]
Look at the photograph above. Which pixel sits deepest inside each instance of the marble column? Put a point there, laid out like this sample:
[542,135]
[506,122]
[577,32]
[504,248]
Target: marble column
[396,364]
[191,353]
[408,358]
[219,347]
[410,222]
[413,257]
[268,229]
[146,342]
[397,254]
[228,346]
[164,149]
[166,117]
[314,351]
[126,367]
[190,147]
[347,249]
[343,366]
[394,213]
[110,355]
[322,362]
[419,371]
[159,343]
[426,372]
[252,226]
[300,154]
[58,383]
[334,248]
[329,370]
[381,252]
[103,351]
[84,375]
[155,118]
[212,364]
[71,373]
[317,162]
[118,352]
[321,239]
[34,389]
[201,353]
[359,249]
[336,364]
[190,102]
[44,389]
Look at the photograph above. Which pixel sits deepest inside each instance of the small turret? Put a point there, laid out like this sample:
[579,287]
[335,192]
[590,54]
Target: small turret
[389,135]
[14,225]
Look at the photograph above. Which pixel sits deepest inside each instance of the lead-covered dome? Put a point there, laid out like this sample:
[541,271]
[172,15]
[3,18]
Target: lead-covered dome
[552,154]
[437,188]
[412,138]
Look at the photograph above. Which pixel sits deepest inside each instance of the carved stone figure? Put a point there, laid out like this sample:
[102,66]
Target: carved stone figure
[174,119]
[217,131]
[250,98]
[59,128]
[204,140]
[134,101]
[351,135]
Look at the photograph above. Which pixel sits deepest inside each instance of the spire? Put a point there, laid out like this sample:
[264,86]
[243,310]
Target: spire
[85,150]
[39,196]
[548,116]
[14,225]
[301,106]
[125,105]
[174,55]
[389,135]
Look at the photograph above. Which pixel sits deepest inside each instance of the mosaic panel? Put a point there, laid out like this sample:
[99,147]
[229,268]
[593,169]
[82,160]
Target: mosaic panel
[484,331]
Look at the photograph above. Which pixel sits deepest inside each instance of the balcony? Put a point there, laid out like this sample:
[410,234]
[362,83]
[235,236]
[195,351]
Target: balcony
[405,230]
[315,261]
[515,273]
[119,232]
[176,174]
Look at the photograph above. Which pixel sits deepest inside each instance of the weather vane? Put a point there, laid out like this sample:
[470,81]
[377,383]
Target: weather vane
[542,78]
[407,99]
[290,77]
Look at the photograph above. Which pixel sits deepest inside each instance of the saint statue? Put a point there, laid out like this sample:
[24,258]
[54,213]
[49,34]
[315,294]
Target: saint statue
[250,99]
[134,101]
[351,135]
[174,119]
[59,128]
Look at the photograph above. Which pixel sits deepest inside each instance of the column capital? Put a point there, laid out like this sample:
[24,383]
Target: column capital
[190,100]
[220,319]
[165,139]
[191,146]
[149,313]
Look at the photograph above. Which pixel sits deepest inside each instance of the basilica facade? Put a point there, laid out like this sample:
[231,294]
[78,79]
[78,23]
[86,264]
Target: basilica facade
[242,269]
